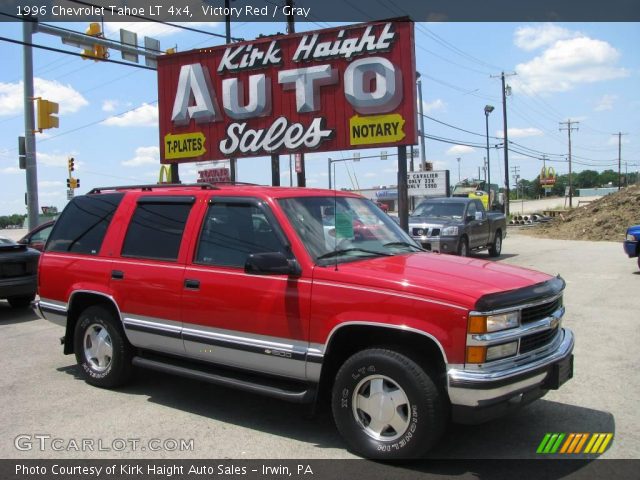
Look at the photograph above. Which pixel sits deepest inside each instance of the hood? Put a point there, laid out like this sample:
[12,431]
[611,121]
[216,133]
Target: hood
[457,280]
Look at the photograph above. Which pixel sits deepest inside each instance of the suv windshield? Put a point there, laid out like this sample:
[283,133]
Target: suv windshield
[445,210]
[340,229]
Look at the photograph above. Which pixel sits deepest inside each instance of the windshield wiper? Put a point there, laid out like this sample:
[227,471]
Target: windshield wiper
[404,244]
[335,253]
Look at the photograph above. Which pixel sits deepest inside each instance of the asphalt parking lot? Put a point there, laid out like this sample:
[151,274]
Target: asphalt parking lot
[41,392]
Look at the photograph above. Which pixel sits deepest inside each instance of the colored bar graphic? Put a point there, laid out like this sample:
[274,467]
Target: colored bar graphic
[573,443]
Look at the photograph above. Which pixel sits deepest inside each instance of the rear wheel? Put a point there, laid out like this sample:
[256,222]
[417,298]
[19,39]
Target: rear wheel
[22,301]
[386,406]
[102,351]
[496,247]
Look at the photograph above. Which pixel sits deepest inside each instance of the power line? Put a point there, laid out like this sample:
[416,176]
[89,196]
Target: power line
[66,52]
[148,19]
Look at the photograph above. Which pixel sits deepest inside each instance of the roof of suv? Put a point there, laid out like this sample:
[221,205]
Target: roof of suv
[238,188]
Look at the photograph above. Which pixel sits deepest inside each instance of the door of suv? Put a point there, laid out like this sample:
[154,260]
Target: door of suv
[146,280]
[249,321]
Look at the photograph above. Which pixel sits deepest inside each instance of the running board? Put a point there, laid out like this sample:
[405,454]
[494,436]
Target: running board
[227,379]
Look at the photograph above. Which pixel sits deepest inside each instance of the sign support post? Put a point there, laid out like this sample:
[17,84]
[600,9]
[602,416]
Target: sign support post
[403,197]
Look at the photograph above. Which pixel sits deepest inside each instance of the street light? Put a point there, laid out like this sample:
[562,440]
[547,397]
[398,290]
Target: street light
[487,110]
[330,161]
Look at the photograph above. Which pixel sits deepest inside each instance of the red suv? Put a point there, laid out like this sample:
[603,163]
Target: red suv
[272,290]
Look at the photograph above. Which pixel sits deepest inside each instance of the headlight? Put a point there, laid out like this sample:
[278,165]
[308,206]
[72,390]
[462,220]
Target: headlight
[502,351]
[449,231]
[493,323]
[631,238]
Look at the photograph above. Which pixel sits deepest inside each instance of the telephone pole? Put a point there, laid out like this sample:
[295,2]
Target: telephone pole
[619,135]
[569,128]
[506,90]
[29,128]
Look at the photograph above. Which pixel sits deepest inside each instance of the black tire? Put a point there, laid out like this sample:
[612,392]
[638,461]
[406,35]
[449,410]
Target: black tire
[463,247]
[496,247]
[111,365]
[23,301]
[422,412]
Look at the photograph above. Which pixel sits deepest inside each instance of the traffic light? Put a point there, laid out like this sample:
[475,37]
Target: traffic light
[73,183]
[70,163]
[68,183]
[98,52]
[47,114]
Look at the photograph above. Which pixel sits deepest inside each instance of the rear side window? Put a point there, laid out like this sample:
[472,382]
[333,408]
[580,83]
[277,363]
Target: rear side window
[156,228]
[83,224]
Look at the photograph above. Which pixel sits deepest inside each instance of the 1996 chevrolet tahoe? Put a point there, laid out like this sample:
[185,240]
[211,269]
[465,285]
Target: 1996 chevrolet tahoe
[292,293]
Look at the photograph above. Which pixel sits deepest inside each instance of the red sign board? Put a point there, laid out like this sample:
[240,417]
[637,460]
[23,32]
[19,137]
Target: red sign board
[334,89]
[213,175]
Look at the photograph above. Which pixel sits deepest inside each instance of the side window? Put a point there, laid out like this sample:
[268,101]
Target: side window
[156,228]
[42,235]
[83,224]
[233,231]
[471,209]
[479,206]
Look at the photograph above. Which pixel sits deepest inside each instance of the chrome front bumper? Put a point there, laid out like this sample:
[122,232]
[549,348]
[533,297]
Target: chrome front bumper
[477,389]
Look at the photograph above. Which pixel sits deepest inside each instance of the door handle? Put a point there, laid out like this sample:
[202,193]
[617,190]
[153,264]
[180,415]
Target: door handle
[117,274]
[192,284]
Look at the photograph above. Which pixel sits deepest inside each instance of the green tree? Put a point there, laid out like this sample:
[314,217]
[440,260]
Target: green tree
[588,179]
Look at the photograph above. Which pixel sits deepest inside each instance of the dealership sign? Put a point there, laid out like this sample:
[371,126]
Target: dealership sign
[333,89]
[428,184]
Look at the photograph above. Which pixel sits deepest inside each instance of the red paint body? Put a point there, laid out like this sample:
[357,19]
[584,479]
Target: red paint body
[424,291]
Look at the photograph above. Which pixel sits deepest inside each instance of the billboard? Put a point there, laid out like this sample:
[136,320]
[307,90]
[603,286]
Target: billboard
[333,89]
[428,184]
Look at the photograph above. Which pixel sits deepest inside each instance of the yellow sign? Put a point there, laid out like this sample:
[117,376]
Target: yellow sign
[165,174]
[184,145]
[376,129]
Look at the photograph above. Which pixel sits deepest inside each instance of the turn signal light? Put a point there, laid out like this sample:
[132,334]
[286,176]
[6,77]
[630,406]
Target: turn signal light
[476,354]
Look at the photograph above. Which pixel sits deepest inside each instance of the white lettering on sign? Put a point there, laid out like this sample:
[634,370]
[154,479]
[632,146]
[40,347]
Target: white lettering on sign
[249,56]
[279,134]
[430,184]
[194,84]
[259,103]
[307,83]
[310,49]
[378,71]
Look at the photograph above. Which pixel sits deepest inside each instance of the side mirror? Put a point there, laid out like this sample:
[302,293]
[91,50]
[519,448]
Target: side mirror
[271,263]
[469,218]
[479,215]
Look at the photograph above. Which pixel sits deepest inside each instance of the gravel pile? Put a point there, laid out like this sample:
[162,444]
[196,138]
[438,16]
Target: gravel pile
[604,219]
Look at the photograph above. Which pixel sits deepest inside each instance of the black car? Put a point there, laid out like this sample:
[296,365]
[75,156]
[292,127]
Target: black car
[18,269]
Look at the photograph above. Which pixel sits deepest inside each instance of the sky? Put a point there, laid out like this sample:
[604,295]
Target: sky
[585,72]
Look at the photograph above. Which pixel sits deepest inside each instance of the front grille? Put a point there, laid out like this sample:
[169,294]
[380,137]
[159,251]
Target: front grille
[538,340]
[538,312]
[425,232]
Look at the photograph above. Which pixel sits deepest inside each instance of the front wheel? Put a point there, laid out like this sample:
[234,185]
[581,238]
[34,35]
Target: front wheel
[102,351]
[386,406]
[463,248]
